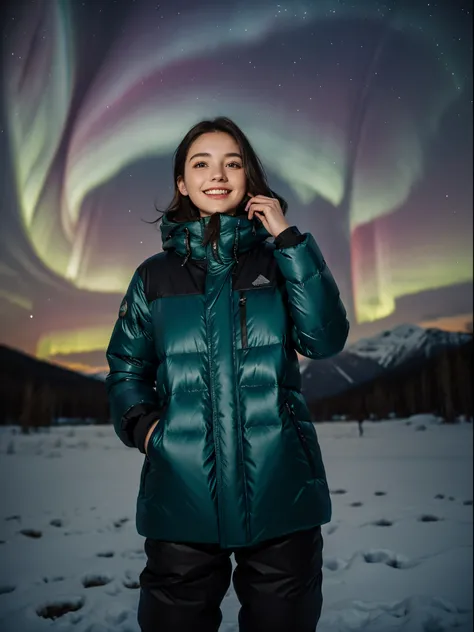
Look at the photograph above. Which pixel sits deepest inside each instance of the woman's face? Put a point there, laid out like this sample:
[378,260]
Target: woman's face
[220,168]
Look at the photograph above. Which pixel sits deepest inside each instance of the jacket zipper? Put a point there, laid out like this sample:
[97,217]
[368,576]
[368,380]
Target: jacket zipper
[302,438]
[243,319]
[215,427]
[240,434]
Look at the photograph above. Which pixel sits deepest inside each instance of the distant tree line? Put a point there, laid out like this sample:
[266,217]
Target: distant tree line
[35,393]
[441,385]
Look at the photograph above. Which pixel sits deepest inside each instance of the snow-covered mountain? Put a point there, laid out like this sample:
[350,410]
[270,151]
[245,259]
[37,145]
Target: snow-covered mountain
[406,342]
[368,358]
[330,376]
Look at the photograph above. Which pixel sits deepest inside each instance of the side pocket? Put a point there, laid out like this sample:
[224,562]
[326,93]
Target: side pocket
[143,475]
[301,437]
[153,442]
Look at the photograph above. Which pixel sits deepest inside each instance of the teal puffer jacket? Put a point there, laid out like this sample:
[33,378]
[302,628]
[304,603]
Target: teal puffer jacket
[206,342]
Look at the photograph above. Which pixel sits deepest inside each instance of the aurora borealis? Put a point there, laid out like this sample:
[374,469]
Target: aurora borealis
[361,113]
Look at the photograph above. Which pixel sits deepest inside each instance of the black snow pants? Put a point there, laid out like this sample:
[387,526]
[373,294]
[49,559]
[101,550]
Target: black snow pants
[277,582]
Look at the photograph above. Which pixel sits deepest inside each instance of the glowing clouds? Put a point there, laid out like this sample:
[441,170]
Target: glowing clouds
[39,81]
[85,340]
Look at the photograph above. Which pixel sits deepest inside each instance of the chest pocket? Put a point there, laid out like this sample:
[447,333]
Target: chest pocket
[260,311]
[262,316]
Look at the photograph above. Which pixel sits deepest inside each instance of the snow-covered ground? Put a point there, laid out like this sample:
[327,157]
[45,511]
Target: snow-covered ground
[397,554]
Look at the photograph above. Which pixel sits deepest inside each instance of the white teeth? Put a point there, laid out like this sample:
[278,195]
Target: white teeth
[216,192]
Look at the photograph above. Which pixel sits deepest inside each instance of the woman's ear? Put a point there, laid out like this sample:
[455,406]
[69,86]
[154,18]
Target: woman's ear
[181,186]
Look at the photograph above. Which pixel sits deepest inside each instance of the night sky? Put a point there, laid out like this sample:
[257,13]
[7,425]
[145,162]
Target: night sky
[361,113]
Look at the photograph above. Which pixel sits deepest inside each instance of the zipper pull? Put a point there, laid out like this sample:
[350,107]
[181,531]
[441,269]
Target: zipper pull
[242,300]
[215,252]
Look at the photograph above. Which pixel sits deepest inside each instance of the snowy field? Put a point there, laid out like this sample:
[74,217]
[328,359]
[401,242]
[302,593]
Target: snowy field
[397,554]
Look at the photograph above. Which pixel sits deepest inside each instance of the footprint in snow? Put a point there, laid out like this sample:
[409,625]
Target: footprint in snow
[56,522]
[53,579]
[105,554]
[338,491]
[31,533]
[380,493]
[467,502]
[93,580]
[331,529]
[439,496]
[120,522]
[428,518]
[356,503]
[383,522]
[6,588]
[334,563]
[59,607]
[131,580]
[15,517]
[389,558]
[372,556]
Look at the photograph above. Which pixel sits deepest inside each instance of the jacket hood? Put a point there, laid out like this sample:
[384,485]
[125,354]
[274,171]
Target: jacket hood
[237,234]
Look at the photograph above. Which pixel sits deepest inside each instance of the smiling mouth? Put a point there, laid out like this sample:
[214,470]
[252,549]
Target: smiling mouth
[218,193]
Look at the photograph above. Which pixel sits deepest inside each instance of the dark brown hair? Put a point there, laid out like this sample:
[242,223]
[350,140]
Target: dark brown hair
[181,208]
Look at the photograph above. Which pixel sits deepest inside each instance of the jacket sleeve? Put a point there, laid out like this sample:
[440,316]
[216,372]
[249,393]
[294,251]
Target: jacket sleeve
[289,237]
[319,320]
[132,361]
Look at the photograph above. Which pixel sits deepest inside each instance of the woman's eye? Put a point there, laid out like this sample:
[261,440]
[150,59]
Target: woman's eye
[230,163]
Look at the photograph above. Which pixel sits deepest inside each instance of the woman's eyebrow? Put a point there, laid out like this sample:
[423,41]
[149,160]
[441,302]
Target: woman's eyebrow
[207,155]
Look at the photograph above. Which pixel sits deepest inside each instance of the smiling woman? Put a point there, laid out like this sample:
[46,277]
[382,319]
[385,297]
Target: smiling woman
[362,118]
[204,380]
[218,178]
[230,163]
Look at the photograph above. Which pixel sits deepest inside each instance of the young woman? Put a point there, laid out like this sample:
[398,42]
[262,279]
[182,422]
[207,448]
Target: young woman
[204,380]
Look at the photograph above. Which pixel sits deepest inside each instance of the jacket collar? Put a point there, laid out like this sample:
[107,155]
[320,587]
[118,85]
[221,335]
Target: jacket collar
[237,235]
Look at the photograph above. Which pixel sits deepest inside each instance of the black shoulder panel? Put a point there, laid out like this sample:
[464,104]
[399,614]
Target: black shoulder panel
[164,275]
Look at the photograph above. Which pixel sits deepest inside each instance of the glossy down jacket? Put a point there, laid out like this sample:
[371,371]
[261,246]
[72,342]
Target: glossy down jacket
[206,342]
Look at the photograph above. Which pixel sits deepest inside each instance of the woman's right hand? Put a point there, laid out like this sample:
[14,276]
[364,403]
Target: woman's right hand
[148,435]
